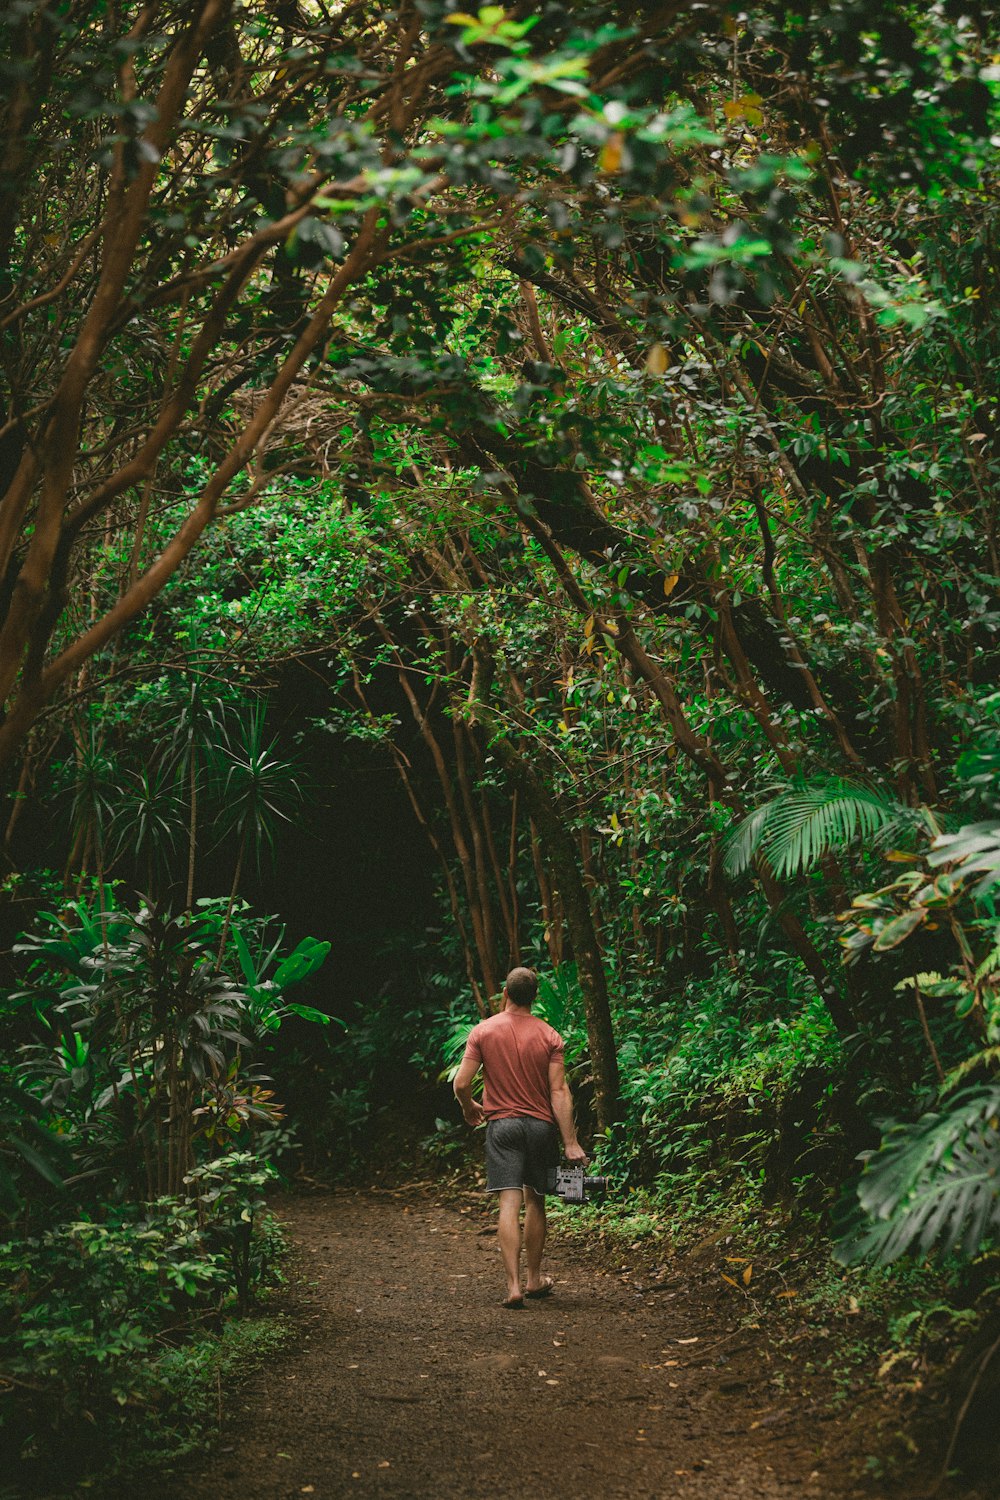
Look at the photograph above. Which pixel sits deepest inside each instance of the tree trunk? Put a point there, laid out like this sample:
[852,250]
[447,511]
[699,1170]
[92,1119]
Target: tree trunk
[559,851]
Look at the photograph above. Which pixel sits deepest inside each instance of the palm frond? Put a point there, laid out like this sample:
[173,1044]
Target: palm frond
[803,823]
[932,1185]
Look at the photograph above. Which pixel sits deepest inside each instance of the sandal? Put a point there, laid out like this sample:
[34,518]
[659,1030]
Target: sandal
[546,1289]
[514,1304]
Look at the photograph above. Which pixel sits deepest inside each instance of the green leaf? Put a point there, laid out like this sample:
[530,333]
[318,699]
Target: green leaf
[804,823]
[894,932]
[933,1185]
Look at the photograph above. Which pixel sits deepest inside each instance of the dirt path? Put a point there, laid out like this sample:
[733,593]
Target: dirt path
[409,1379]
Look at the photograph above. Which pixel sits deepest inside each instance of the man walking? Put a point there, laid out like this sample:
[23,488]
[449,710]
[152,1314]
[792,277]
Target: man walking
[527,1106]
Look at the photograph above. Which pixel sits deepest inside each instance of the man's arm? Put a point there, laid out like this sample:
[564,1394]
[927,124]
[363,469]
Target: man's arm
[562,1107]
[473,1112]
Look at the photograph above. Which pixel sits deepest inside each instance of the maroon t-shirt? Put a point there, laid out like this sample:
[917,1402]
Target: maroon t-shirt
[515,1049]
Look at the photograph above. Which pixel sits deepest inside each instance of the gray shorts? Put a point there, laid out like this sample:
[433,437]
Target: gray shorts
[520,1153]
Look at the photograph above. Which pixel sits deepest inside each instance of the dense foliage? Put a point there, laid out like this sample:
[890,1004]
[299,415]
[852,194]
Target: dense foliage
[594,426]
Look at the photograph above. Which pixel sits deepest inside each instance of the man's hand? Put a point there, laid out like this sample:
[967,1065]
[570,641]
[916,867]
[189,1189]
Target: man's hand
[575,1155]
[474,1114]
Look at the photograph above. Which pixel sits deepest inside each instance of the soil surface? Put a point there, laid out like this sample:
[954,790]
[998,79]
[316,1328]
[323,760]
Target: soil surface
[408,1378]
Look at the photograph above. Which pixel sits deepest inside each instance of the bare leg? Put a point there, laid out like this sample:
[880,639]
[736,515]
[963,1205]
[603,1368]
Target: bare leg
[509,1234]
[534,1236]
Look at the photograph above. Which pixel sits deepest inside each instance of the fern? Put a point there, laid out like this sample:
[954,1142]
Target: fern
[933,1185]
[803,823]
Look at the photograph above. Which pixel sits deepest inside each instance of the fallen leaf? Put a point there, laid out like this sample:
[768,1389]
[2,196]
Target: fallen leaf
[687,1341]
[385,1464]
[308,1489]
[746,1275]
[731,1279]
[786,1294]
[552,1382]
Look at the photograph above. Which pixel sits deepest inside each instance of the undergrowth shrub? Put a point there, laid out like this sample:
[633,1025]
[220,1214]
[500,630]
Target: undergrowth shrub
[100,1315]
[731,1074]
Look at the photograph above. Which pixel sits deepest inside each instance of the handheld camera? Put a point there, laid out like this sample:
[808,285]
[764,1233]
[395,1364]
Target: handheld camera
[574,1186]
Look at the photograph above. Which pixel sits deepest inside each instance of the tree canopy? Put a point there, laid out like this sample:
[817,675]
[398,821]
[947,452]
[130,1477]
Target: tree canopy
[588,419]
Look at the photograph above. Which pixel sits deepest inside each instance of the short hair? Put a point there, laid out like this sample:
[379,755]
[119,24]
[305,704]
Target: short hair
[521,986]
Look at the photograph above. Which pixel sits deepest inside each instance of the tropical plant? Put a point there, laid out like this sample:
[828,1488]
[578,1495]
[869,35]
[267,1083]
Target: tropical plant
[932,1185]
[972,850]
[259,791]
[198,732]
[797,828]
[147,1037]
[28,1146]
[229,1192]
[560,1003]
[149,822]
[267,974]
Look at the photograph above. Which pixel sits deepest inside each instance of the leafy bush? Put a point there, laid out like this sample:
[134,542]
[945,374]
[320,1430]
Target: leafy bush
[142,1065]
[92,1308]
[709,1072]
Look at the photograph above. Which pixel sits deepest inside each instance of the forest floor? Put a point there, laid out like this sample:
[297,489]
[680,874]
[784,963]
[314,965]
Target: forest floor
[406,1377]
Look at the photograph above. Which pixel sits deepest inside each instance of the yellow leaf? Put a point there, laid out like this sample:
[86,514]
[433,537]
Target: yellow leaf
[732,1281]
[670,583]
[786,1294]
[588,627]
[746,1275]
[745,108]
[656,360]
[611,153]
